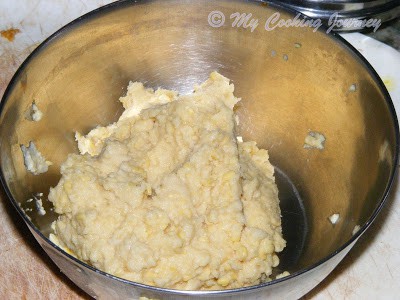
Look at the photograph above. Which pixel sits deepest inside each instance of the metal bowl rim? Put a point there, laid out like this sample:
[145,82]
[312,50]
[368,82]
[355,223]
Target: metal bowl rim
[334,36]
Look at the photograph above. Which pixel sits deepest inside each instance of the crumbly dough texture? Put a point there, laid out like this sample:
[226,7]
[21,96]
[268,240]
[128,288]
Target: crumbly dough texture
[168,197]
[34,160]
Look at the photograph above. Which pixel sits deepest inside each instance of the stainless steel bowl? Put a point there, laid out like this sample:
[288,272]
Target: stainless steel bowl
[292,80]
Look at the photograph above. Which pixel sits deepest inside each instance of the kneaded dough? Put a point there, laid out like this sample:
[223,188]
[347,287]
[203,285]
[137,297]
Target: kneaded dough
[168,197]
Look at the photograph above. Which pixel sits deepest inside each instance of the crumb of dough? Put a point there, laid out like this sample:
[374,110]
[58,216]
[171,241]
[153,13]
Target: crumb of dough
[34,161]
[356,229]
[34,114]
[239,139]
[166,196]
[334,218]
[39,206]
[353,88]
[284,274]
[314,140]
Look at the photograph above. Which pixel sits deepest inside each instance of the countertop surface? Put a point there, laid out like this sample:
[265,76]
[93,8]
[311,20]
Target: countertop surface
[370,271]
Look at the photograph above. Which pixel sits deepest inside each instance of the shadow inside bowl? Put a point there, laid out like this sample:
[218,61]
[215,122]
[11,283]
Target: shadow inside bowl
[294,223]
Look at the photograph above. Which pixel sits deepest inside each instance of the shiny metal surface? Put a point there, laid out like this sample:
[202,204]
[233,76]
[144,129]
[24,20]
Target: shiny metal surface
[330,11]
[291,80]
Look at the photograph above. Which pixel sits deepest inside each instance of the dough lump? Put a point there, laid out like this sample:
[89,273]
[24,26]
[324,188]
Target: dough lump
[167,196]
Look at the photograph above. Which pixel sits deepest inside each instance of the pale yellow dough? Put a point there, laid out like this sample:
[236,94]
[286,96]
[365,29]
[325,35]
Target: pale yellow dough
[168,197]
